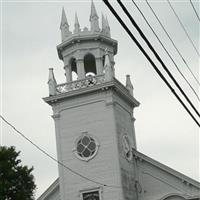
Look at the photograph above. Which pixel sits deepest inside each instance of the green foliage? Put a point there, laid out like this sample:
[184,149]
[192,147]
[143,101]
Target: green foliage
[16,181]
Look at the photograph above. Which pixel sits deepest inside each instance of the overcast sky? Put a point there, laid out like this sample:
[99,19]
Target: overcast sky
[30,33]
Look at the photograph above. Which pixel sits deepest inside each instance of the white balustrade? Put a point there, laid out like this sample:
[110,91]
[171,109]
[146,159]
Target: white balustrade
[83,83]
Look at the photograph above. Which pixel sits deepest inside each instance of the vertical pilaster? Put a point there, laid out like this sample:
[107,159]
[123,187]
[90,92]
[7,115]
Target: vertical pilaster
[80,68]
[56,116]
[68,73]
[99,65]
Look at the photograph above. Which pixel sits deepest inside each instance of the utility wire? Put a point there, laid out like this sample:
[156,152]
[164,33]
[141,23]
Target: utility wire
[172,42]
[184,29]
[194,10]
[166,50]
[156,55]
[148,58]
[54,159]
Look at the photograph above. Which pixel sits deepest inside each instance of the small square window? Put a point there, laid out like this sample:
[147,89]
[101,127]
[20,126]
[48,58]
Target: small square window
[91,194]
[94,195]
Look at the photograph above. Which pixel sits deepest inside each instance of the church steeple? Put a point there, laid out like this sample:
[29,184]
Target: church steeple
[64,26]
[93,114]
[94,125]
[94,19]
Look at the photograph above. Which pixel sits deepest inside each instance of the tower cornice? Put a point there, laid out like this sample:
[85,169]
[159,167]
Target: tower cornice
[81,38]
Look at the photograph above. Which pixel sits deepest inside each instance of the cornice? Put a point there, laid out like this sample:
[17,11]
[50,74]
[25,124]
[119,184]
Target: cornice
[84,38]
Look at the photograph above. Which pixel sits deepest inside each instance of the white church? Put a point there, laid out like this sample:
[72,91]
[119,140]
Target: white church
[94,125]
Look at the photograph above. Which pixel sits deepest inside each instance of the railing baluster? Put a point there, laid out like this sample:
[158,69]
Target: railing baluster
[75,85]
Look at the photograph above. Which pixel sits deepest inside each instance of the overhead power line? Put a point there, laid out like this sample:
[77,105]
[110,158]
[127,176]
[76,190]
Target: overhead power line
[194,10]
[54,159]
[172,42]
[184,29]
[166,50]
[149,59]
[156,55]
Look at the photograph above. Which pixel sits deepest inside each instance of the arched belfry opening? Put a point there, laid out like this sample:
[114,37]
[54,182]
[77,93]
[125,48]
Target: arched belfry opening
[73,69]
[103,62]
[90,65]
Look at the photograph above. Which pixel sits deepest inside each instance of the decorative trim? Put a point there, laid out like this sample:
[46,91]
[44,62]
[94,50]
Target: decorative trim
[127,149]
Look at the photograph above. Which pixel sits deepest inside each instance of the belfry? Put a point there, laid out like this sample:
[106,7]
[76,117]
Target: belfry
[83,51]
[94,124]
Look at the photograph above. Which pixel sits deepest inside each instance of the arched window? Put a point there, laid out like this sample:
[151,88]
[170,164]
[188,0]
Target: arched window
[103,62]
[90,65]
[103,59]
[73,69]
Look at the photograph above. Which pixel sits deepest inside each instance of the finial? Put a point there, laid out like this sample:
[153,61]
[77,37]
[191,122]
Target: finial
[109,74]
[76,25]
[64,26]
[107,27]
[103,23]
[63,19]
[93,11]
[94,18]
[129,85]
[52,83]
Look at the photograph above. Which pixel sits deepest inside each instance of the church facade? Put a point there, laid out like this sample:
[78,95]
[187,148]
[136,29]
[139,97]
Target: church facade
[94,124]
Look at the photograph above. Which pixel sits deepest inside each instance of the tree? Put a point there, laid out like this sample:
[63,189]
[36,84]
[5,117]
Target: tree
[16,180]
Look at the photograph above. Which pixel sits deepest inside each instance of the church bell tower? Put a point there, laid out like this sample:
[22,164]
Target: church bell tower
[93,115]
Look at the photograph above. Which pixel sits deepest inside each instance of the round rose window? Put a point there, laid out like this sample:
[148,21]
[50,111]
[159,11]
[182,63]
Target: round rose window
[86,147]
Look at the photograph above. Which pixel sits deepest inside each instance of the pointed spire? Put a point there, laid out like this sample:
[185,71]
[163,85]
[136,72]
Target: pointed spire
[76,25]
[107,27]
[129,85]
[107,24]
[109,74]
[63,19]
[76,19]
[103,23]
[64,26]
[93,11]
[52,83]
[94,19]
